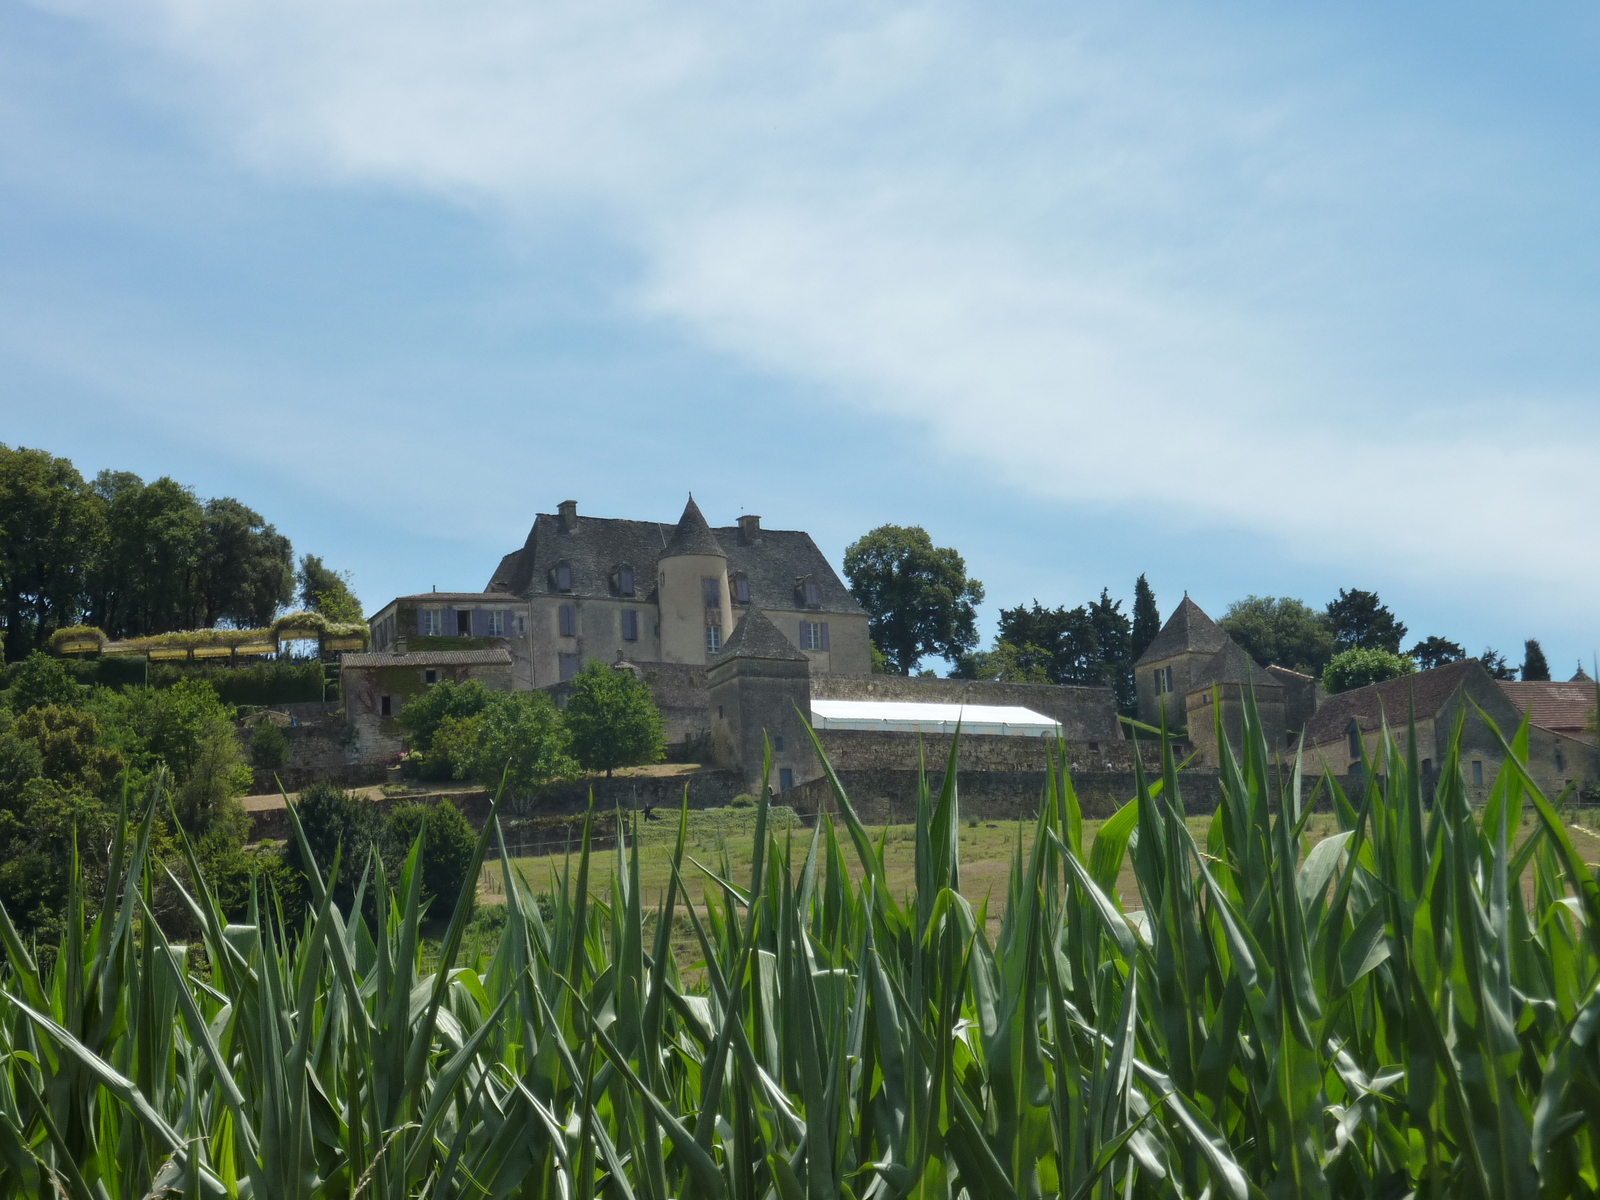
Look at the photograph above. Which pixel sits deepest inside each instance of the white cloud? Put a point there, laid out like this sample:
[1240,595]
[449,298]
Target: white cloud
[1076,254]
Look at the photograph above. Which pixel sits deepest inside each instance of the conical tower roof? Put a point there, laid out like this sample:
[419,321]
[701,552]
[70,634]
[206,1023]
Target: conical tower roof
[758,637]
[693,535]
[1581,677]
[1187,631]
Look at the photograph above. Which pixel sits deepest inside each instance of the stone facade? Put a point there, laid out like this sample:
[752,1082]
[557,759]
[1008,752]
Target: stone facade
[761,695]
[377,686]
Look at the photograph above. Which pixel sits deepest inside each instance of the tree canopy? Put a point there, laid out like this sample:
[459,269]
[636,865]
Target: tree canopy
[1360,621]
[1359,667]
[1534,666]
[613,719]
[327,591]
[918,597]
[1280,630]
[1436,651]
[1146,618]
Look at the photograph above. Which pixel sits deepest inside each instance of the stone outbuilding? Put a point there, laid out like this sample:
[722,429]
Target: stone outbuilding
[378,685]
[760,692]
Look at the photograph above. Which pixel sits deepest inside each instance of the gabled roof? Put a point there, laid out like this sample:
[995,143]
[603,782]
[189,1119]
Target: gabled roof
[1369,705]
[1187,631]
[1564,707]
[757,637]
[693,535]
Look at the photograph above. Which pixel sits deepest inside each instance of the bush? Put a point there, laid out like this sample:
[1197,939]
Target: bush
[448,843]
[335,822]
[269,746]
[518,736]
[264,683]
[424,715]
[742,801]
[1359,668]
[40,680]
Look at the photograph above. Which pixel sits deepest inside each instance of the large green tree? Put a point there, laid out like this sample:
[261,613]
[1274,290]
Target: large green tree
[1534,665]
[1360,621]
[1064,637]
[246,566]
[147,578]
[1357,668]
[1146,617]
[1280,630]
[1114,646]
[918,597]
[519,737]
[613,719]
[1436,651]
[327,591]
[50,532]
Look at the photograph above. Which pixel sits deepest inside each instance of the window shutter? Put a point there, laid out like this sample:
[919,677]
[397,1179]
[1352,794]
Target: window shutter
[824,635]
[422,622]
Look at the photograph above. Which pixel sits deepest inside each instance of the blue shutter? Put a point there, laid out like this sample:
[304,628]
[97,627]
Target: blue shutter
[422,622]
[824,635]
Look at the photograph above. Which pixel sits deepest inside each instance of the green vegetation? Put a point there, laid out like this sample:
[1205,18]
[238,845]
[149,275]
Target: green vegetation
[326,591]
[918,598]
[269,746]
[1401,1009]
[1359,668]
[1358,620]
[1435,651]
[1534,665]
[613,719]
[1280,630]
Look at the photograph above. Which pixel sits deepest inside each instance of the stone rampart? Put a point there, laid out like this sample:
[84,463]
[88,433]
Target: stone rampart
[874,750]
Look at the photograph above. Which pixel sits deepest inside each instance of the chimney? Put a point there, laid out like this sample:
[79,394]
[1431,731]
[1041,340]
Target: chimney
[750,529]
[569,515]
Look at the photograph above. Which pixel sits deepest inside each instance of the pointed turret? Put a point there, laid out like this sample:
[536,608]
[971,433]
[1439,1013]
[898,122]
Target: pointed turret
[693,535]
[1187,631]
[692,591]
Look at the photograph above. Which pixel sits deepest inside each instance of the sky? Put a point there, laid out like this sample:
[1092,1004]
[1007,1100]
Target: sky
[1250,298]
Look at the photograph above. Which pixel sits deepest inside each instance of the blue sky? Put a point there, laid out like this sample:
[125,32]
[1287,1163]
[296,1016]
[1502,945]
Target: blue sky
[1252,298]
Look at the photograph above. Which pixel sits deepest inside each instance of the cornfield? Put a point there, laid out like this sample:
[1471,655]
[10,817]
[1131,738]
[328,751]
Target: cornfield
[1406,1009]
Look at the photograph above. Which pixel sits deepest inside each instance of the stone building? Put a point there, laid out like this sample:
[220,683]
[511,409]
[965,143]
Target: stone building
[377,685]
[1347,723]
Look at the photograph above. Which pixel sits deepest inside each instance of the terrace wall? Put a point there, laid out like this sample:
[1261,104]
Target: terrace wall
[875,750]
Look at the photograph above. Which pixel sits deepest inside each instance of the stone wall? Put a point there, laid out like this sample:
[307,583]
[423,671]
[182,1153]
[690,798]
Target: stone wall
[321,750]
[1087,714]
[872,750]
[890,796]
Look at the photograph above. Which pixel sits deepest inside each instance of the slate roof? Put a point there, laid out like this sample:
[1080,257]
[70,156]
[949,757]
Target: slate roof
[1188,630]
[757,637]
[430,658]
[1367,706]
[1232,665]
[693,535]
[453,597]
[1564,707]
[597,546]
[1581,677]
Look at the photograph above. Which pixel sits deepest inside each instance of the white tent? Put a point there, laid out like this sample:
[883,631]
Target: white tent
[904,716]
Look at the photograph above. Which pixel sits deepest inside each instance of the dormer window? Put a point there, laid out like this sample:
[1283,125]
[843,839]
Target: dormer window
[625,580]
[808,591]
[563,577]
[1353,732]
[741,589]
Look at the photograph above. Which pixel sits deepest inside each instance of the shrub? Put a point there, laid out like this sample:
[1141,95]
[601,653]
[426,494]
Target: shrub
[335,822]
[40,680]
[518,736]
[424,715]
[1359,668]
[742,801]
[448,842]
[269,746]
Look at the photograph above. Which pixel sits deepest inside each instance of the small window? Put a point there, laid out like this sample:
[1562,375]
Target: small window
[1094,745]
[741,589]
[1427,767]
[522,625]
[385,706]
[569,667]
[630,625]
[777,744]
[1561,760]
[713,639]
[1169,679]
[563,577]
[810,635]
[1161,681]
[785,779]
[1477,773]
[496,623]
[430,677]
[432,622]
[719,712]
[625,580]
[568,615]
[711,590]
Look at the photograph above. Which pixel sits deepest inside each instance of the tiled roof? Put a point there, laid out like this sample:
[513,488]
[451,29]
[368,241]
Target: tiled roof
[1188,630]
[1562,706]
[1369,705]
[771,560]
[757,637]
[458,597]
[693,535]
[430,658]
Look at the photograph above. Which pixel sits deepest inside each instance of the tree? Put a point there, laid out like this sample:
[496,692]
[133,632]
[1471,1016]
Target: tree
[1065,637]
[1281,630]
[246,566]
[1495,663]
[448,844]
[148,576]
[1534,666]
[423,716]
[42,679]
[613,719]
[1005,663]
[518,736]
[1359,621]
[335,823]
[1436,652]
[918,598]
[1113,634]
[1146,618]
[1359,668]
[50,530]
[269,745]
[326,591]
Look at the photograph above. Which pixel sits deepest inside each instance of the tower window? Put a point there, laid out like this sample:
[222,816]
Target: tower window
[711,590]
[1477,772]
[713,639]
[630,625]
[568,617]
[385,706]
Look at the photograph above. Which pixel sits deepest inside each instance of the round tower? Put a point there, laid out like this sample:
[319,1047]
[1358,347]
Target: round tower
[692,591]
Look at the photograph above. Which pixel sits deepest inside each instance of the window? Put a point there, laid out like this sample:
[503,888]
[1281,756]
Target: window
[813,635]
[430,677]
[785,779]
[741,589]
[464,622]
[1169,679]
[1094,745]
[630,625]
[713,639]
[522,625]
[1353,733]
[563,577]
[625,581]
[1161,681]
[385,706]
[568,620]
[777,744]
[569,667]
[711,589]
[719,712]
[496,623]
[1561,760]
[432,622]
[1427,767]
[813,593]
[1477,772]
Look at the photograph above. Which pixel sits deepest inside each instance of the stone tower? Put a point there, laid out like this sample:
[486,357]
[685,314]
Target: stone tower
[761,693]
[692,591]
